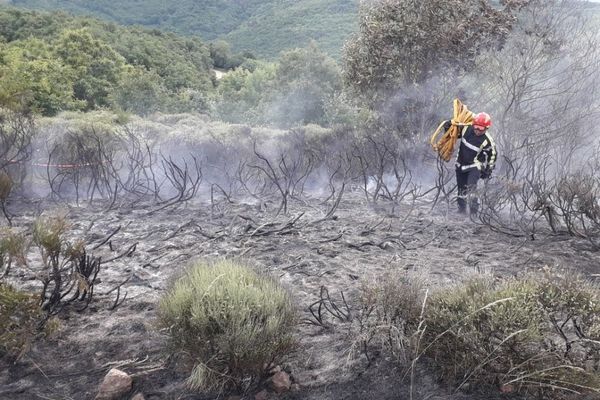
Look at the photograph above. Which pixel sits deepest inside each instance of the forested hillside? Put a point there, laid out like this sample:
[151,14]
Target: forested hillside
[264,27]
[53,62]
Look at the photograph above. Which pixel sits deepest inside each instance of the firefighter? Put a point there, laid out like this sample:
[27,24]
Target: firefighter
[475,160]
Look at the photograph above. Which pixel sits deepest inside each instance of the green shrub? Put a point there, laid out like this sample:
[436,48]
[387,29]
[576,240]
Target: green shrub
[48,235]
[230,321]
[538,334]
[13,247]
[535,335]
[464,329]
[19,317]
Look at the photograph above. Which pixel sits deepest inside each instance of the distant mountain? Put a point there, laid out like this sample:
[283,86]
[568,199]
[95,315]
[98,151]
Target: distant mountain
[264,27]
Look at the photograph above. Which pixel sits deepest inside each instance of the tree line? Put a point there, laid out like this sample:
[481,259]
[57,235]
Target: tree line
[405,64]
[55,62]
[282,25]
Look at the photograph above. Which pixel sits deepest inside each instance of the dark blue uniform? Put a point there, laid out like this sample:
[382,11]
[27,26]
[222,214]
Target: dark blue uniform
[475,159]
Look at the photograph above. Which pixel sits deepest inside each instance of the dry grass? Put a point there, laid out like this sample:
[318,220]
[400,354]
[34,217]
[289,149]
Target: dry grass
[6,185]
[538,334]
[535,335]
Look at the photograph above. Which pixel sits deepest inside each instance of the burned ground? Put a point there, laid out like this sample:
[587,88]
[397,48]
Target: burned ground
[147,249]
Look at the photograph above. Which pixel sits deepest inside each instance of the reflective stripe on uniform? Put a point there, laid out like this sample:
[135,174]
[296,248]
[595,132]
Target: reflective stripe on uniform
[465,167]
[492,159]
[488,144]
[470,146]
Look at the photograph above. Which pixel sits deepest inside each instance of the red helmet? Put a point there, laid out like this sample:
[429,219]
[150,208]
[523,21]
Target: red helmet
[482,119]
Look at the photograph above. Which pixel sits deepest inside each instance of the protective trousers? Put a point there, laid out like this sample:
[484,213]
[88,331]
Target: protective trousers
[466,181]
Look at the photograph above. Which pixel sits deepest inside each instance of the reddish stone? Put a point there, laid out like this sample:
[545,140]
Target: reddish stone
[281,382]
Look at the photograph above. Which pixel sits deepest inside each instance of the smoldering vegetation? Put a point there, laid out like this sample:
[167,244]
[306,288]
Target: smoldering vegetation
[396,295]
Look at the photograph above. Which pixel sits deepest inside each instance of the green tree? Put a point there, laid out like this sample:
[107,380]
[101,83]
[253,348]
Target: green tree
[296,90]
[267,27]
[180,62]
[305,81]
[140,92]
[220,52]
[31,77]
[241,94]
[96,59]
[403,42]
[97,67]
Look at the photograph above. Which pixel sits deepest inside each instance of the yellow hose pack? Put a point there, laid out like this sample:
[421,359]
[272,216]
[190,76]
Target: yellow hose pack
[445,145]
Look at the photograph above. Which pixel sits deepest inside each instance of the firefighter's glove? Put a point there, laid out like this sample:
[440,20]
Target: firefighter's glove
[486,173]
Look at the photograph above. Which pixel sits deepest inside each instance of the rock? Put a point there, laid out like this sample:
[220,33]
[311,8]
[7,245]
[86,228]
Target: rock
[281,382]
[138,396]
[507,388]
[262,395]
[115,384]
[234,398]
[295,387]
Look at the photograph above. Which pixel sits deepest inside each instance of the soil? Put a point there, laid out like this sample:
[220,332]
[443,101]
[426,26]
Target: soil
[303,250]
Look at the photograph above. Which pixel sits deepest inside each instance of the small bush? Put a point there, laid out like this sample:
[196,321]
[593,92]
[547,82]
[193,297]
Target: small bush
[20,315]
[230,321]
[477,328]
[12,250]
[48,235]
[389,310]
[535,335]
[66,267]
